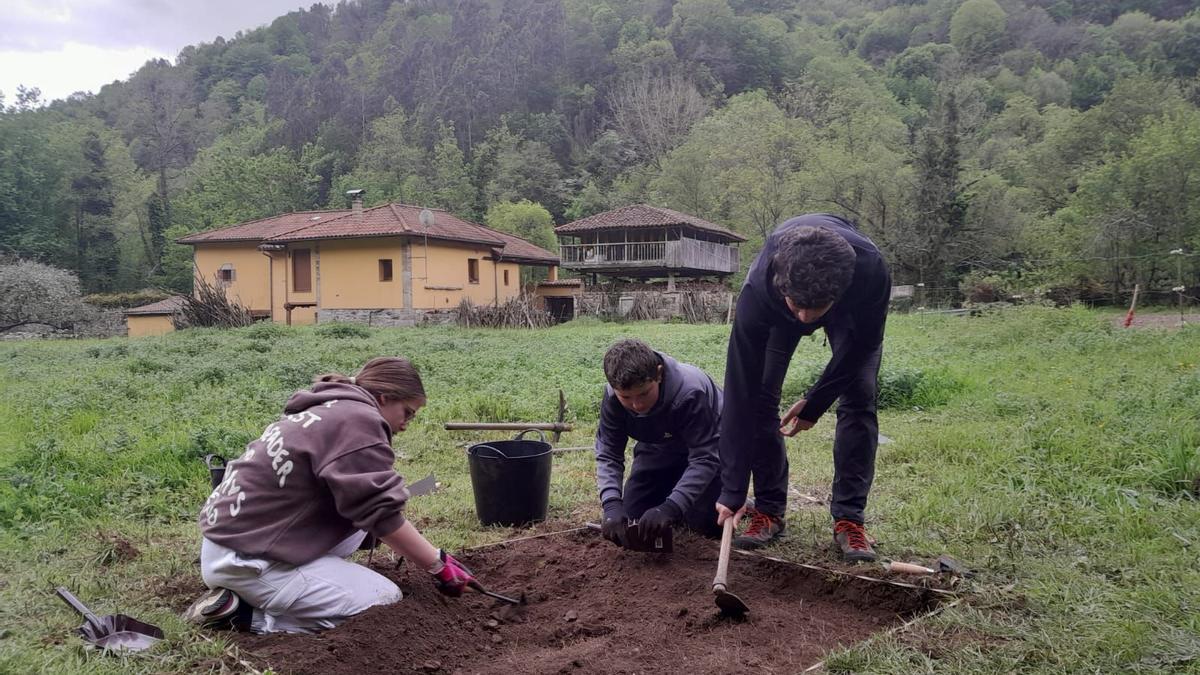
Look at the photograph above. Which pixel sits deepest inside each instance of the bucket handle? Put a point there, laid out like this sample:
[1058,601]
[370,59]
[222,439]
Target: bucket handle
[521,436]
[209,460]
[493,449]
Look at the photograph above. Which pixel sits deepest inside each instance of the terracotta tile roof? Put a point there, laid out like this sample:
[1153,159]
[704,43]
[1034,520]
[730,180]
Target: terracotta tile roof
[393,220]
[562,282]
[169,306]
[644,215]
[386,220]
[517,249]
[263,228]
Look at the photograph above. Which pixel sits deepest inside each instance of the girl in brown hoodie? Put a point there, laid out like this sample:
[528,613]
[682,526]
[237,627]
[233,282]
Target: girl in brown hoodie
[303,496]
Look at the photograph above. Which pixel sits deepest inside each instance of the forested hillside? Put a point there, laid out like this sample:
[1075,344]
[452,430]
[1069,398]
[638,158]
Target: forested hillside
[1016,145]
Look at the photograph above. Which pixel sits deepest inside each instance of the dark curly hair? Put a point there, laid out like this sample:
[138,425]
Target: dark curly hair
[629,363]
[812,266]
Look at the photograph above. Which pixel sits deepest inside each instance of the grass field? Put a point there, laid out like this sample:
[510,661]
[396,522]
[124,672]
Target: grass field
[1052,452]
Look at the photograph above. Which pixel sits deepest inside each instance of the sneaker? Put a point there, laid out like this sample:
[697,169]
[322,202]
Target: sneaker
[852,539]
[218,608]
[762,530]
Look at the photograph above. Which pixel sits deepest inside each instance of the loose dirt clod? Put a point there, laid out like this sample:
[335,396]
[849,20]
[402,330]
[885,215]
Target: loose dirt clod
[640,618]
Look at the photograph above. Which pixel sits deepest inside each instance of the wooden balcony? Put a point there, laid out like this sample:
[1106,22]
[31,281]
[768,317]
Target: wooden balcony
[652,258]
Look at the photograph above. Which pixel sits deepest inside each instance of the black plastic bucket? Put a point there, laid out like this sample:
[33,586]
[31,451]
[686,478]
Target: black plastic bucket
[511,480]
[216,469]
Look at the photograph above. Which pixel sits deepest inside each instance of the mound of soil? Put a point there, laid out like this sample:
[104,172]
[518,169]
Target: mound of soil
[594,608]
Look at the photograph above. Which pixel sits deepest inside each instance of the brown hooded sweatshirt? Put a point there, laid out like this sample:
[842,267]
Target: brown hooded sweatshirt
[322,471]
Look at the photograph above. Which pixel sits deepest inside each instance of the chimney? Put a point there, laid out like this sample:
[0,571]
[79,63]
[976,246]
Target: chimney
[357,203]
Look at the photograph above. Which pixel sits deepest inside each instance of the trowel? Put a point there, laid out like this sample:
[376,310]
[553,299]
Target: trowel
[115,632]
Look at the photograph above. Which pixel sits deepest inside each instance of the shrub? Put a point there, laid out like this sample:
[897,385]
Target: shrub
[265,330]
[39,294]
[126,300]
[343,330]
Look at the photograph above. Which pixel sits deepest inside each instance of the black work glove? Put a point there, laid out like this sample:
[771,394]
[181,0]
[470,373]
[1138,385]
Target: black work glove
[612,527]
[655,522]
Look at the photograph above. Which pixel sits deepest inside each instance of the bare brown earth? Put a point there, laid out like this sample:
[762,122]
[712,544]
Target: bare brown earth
[594,608]
[1158,320]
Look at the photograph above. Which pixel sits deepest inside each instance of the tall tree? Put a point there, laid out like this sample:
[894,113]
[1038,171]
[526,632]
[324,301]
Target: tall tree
[940,200]
[95,243]
[160,122]
[656,111]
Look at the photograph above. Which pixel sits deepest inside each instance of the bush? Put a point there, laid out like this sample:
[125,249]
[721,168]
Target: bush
[1082,289]
[266,330]
[34,293]
[343,330]
[982,288]
[898,387]
[126,300]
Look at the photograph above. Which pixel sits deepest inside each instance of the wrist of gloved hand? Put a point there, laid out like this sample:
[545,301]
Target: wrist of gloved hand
[452,576]
[614,509]
[612,527]
[654,522]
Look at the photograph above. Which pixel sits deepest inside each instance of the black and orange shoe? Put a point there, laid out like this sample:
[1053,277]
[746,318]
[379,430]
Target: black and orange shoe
[852,539]
[762,530]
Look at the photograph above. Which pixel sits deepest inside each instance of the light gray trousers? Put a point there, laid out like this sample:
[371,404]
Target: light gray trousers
[298,598]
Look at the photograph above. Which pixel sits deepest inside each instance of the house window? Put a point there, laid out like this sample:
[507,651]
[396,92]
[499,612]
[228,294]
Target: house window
[385,269]
[473,270]
[301,270]
[225,274]
[505,277]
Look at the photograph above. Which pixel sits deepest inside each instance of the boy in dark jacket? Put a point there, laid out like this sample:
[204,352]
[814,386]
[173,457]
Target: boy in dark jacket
[673,411]
[815,271]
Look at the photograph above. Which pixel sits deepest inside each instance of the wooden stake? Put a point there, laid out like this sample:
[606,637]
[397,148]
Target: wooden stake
[1132,307]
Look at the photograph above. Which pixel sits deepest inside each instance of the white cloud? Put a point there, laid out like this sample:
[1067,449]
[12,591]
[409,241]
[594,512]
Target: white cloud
[65,46]
[70,68]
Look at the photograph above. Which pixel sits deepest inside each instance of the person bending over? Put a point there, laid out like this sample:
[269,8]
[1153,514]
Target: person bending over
[815,271]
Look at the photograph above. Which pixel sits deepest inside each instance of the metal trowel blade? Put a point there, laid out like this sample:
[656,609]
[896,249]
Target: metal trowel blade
[637,542]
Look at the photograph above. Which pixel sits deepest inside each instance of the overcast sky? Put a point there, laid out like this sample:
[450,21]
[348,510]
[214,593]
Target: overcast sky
[64,46]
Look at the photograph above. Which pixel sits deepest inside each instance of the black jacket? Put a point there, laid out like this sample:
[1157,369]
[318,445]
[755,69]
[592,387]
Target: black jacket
[854,324]
[682,427]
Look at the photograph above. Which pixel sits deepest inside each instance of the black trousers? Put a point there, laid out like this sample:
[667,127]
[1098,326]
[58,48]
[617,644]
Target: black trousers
[856,437]
[651,481]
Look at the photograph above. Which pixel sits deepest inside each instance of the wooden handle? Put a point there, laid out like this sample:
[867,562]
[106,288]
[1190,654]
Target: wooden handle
[908,568]
[723,561]
[507,426]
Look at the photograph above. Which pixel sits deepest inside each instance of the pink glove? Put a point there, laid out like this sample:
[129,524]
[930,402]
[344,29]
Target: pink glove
[453,577]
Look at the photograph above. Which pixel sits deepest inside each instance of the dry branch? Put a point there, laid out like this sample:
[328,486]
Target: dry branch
[209,306]
[520,312]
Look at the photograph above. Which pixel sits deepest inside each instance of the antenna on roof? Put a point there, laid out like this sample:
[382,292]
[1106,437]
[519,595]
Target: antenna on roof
[426,218]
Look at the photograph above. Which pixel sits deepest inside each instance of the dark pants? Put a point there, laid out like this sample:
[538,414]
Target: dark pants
[855,438]
[651,482]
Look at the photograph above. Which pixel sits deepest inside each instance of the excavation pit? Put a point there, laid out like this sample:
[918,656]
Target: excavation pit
[594,608]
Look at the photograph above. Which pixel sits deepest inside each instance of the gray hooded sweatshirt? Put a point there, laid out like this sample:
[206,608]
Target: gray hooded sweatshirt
[322,471]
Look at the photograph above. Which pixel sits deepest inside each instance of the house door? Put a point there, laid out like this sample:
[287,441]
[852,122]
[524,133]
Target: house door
[562,309]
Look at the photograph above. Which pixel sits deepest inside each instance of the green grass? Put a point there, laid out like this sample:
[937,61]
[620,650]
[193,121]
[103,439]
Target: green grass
[1050,451]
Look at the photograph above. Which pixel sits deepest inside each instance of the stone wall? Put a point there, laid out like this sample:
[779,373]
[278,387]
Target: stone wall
[389,317]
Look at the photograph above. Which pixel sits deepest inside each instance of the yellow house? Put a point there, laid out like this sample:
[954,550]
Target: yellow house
[153,319]
[389,265]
